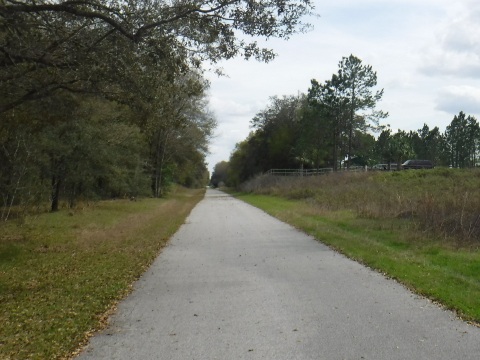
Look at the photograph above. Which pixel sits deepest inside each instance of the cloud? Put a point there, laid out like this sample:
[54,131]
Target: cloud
[453,99]
[457,48]
[463,32]
[229,109]
[466,67]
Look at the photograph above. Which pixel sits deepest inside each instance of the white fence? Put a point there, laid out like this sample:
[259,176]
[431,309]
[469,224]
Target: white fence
[309,172]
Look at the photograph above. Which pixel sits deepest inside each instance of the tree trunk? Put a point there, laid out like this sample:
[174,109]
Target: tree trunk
[350,133]
[335,151]
[56,182]
[350,127]
[158,165]
[336,141]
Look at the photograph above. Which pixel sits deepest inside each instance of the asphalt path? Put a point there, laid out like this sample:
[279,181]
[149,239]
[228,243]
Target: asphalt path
[235,283]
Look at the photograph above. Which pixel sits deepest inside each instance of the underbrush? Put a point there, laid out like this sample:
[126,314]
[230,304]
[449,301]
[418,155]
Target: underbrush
[443,203]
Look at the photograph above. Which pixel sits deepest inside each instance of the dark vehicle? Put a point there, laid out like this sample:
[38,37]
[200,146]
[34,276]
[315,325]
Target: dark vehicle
[417,164]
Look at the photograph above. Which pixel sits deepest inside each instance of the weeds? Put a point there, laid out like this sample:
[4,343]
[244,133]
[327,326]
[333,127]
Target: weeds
[442,202]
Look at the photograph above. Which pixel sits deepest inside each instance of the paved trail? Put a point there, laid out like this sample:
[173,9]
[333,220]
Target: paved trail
[234,283]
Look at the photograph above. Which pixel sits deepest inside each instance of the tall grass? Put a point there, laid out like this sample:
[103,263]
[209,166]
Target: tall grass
[442,203]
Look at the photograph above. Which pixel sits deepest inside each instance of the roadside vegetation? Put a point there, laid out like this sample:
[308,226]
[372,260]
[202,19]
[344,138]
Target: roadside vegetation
[110,99]
[421,227]
[62,273]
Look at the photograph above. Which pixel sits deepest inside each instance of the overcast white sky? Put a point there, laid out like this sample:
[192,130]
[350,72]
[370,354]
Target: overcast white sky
[426,54]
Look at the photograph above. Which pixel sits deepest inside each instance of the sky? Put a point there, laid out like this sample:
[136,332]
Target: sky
[426,54]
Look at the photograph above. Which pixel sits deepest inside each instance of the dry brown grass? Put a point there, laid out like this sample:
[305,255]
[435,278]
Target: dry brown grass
[441,202]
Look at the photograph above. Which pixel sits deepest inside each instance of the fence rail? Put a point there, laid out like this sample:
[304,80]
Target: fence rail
[309,172]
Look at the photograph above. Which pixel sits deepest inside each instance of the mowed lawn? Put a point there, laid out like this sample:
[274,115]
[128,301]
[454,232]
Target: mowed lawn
[62,273]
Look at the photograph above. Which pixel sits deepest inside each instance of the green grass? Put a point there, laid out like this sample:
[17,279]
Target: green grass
[62,273]
[429,266]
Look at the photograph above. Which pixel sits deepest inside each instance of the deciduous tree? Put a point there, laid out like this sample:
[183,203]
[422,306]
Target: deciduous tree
[46,46]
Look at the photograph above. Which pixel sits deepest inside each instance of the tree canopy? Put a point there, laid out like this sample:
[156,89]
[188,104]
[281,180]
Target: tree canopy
[86,45]
[108,98]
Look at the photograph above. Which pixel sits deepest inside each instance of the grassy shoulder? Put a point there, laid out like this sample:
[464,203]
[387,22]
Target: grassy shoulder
[61,273]
[431,267]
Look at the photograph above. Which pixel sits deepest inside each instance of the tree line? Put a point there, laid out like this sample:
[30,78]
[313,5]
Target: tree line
[106,99]
[334,125]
